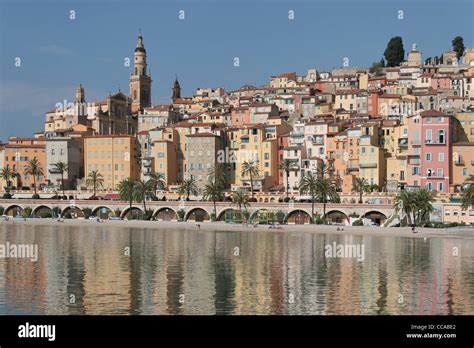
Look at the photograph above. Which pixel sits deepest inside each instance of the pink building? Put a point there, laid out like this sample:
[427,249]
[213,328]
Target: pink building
[439,81]
[436,132]
[429,150]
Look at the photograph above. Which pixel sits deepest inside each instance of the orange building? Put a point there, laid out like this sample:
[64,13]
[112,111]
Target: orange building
[463,164]
[18,152]
[116,157]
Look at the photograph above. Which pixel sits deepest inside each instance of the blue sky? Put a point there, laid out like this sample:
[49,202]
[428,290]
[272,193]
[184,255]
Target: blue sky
[57,53]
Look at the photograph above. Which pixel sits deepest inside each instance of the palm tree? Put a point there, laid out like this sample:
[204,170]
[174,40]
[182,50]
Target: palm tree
[213,191]
[33,168]
[250,168]
[7,174]
[468,193]
[240,199]
[323,170]
[158,181]
[61,167]
[326,189]
[287,166]
[142,190]
[218,174]
[405,202]
[94,180]
[127,190]
[187,187]
[361,185]
[309,186]
[423,200]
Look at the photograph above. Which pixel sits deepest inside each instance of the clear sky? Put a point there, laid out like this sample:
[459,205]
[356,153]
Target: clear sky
[58,53]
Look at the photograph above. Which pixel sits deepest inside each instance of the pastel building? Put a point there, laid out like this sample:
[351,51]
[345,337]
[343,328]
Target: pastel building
[462,164]
[18,152]
[115,157]
[436,130]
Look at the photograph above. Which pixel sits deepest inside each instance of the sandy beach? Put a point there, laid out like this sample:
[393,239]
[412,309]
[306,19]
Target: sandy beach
[221,226]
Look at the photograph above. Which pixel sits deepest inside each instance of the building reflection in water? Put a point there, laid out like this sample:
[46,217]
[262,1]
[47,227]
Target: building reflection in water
[110,270]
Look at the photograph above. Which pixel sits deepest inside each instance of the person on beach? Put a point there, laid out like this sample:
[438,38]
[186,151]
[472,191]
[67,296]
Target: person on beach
[198,225]
[413,228]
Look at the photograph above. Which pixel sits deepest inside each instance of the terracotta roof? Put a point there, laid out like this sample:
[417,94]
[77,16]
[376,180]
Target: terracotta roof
[162,107]
[432,113]
[207,134]
[389,96]
[110,136]
[287,74]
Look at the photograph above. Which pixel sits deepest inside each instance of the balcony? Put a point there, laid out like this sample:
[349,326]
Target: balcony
[415,142]
[460,161]
[318,140]
[368,165]
[403,142]
[147,163]
[435,142]
[414,161]
[349,170]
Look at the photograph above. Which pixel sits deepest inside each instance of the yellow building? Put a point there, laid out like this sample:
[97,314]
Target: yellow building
[165,153]
[254,145]
[464,127]
[114,156]
[183,129]
[395,143]
[371,156]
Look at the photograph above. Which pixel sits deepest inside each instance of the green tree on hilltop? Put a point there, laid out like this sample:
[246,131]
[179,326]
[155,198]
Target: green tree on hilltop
[394,53]
[458,46]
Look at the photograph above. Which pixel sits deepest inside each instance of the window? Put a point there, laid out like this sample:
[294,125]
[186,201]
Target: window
[429,135]
[465,172]
[441,157]
[429,186]
[441,137]
[428,156]
[439,173]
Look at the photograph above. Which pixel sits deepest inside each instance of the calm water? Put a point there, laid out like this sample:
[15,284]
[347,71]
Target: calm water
[275,273]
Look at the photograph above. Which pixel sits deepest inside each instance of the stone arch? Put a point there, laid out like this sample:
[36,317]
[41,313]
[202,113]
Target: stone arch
[103,212]
[263,216]
[230,215]
[43,211]
[13,210]
[298,217]
[165,214]
[376,216]
[73,211]
[336,216]
[131,212]
[198,215]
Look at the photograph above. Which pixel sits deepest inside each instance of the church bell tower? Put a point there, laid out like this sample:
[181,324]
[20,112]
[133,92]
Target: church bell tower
[140,81]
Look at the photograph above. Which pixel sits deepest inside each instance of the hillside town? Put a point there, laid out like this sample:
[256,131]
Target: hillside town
[375,133]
